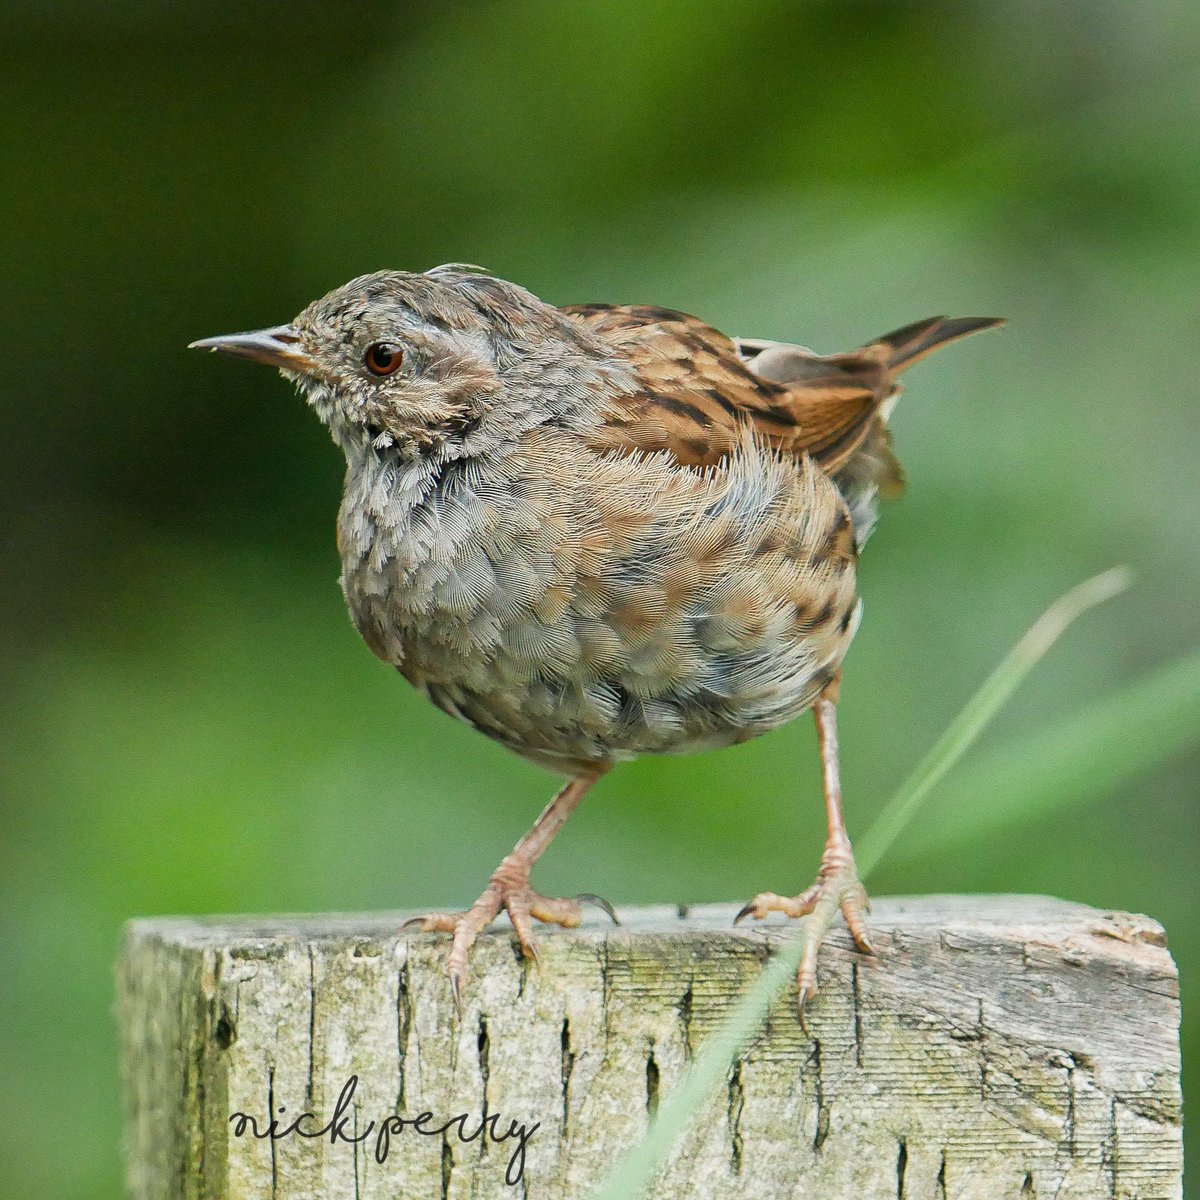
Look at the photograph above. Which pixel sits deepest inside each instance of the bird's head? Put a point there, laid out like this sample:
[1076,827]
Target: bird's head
[421,362]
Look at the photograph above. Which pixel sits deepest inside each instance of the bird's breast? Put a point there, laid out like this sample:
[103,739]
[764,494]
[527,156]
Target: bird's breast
[581,608]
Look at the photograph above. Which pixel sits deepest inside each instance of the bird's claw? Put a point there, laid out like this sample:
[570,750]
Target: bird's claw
[435,922]
[600,903]
[837,888]
[508,889]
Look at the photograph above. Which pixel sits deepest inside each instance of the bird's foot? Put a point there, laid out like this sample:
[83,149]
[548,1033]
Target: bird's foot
[837,888]
[509,889]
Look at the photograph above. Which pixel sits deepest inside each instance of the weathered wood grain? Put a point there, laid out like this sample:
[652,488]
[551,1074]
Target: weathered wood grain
[995,1047]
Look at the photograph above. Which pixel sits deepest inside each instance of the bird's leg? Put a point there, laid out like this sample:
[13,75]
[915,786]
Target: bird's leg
[509,889]
[837,885]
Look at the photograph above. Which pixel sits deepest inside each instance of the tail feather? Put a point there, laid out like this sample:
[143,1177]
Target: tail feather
[913,342]
[841,403]
[871,467]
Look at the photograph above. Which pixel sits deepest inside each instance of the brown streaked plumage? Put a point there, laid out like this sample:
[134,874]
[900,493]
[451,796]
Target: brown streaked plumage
[698,388]
[600,531]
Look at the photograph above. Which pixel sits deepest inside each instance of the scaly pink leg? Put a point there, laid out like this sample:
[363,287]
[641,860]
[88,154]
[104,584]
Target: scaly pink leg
[837,885]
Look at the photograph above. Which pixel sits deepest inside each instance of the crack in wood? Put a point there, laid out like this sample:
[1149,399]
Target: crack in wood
[736,1103]
[652,1077]
[821,1127]
[605,975]
[567,1067]
[484,1045]
[981,1038]
[856,1003]
[447,1167]
[524,966]
[312,1021]
[271,1118]
[404,1020]
[684,1008]
[224,1032]
[1110,1151]
[357,1184]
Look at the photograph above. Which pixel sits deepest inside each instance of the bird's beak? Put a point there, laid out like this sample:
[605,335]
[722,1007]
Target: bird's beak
[278,347]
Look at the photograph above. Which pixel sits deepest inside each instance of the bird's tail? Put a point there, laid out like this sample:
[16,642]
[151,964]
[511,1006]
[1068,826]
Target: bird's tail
[841,402]
[903,347]
[874,465]
[873,468]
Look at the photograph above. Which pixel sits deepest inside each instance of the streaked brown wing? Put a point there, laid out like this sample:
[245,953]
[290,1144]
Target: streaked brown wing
[696,393]
[848,436]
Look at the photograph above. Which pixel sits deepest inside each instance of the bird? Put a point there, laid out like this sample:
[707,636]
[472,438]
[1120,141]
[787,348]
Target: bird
[600,531]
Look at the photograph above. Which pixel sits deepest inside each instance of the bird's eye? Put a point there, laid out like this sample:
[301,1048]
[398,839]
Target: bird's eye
[383,358]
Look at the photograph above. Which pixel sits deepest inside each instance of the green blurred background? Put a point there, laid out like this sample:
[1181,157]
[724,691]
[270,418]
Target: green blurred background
[191,724]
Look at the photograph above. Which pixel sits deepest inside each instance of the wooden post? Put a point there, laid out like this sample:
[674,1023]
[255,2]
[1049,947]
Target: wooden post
[995,1047]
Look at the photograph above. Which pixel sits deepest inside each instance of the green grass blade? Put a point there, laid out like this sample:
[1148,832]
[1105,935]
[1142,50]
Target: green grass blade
[980,710]
[1083,759]
[634,1172]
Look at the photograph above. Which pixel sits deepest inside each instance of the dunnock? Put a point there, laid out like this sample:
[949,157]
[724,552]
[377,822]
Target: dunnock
[600,531]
